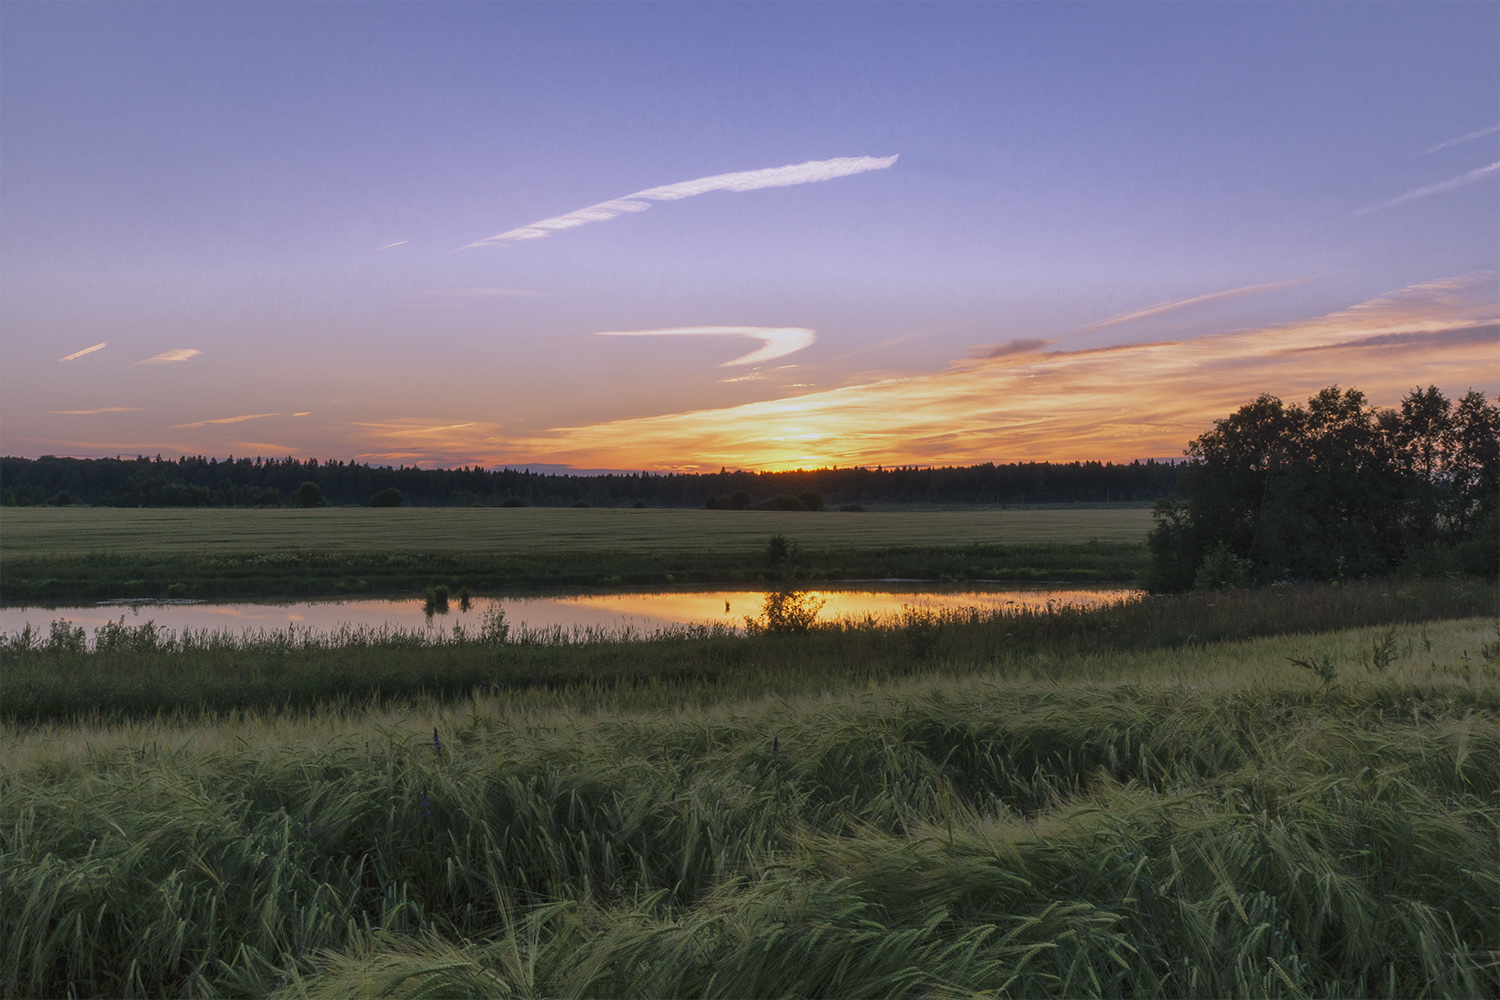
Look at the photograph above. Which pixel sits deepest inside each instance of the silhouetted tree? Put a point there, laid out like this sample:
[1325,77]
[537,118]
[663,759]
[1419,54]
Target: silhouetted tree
[1337,488]
[388,497]
[309,495]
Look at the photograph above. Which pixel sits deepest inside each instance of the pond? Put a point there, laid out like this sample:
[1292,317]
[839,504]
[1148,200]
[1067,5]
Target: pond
[606,613]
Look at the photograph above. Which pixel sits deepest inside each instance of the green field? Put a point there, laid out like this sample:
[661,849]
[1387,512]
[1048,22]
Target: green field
[1213,795]
[78,554]
[63,531]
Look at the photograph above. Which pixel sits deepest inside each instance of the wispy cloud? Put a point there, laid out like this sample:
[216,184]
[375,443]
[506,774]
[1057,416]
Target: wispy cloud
[1016,346]
[1165,307]
[167,357]
[747,180]
[1477,173]
[302,413]
[776,342]
[102,409]
[388,246]
[87,350]
[1464,138]
[1127,401]
[227,420]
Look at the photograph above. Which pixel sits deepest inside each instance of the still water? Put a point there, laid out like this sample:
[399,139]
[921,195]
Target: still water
[637,611]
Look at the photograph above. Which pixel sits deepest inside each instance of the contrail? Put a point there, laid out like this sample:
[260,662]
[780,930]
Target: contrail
[747,180]
[87,350]
[1464,138]
[1162,307]
[1448,185]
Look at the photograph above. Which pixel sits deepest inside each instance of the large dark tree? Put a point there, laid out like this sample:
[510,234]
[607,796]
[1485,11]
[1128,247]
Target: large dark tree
[1337,488]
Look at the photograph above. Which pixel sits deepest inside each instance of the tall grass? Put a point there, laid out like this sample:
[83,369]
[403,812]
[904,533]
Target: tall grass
[143,670]
[1200,819]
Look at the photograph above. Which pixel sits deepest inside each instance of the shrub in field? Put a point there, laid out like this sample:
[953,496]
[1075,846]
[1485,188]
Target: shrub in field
[811,499]
[388,497]
[512,502]
[782,501]
[781,552]
[309,494]
[1222,569]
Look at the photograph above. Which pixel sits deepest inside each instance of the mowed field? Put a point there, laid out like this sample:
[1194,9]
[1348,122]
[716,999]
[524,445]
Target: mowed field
[62,532]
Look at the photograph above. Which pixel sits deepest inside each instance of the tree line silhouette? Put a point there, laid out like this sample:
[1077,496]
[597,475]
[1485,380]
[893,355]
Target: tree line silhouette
[197,481]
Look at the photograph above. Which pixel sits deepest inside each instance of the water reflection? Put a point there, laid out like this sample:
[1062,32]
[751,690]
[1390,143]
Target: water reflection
[642,611]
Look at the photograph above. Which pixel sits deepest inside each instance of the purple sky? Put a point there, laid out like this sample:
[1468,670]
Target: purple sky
[395,232]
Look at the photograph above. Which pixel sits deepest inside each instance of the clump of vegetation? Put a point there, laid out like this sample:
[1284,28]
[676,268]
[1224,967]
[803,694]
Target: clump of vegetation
[388,497]
[786,612]
[435,599]
[309,494]
[780,551]
[512,502]
[1336,490]
[782,501]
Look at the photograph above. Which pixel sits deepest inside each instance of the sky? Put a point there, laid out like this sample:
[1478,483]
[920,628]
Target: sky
[762,236]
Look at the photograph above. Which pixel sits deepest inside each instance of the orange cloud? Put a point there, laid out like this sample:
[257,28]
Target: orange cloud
[1116,403]
[228,420]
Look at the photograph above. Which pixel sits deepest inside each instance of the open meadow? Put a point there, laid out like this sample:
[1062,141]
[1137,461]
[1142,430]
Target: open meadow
[1218,794]
[72,553]
[31,532]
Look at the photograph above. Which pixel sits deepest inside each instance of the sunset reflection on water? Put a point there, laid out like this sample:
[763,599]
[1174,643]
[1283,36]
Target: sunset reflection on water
[641,611]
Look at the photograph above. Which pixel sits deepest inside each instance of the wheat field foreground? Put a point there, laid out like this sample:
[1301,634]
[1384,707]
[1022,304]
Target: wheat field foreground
[28,532]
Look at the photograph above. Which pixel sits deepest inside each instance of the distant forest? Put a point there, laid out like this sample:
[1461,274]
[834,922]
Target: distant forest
[244,482]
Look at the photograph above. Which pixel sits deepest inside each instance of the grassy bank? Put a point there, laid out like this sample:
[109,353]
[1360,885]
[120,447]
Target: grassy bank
[138,670]
[1207,818]
[270,574]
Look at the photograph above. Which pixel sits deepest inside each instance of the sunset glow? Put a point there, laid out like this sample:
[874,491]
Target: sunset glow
[857,235]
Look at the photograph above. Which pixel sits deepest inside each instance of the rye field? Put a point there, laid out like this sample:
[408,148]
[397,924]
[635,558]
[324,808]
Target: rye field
[65,531]
[90,553]
[1220,794]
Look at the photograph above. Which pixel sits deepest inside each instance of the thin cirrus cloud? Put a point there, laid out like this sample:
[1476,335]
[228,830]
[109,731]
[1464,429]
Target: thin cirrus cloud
[87,350]
[168,357]
[101,409]
[1019,345]
[227,420]
[1478,173]
[776,341]
[1165,307]
[745,180]
[1464,138]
